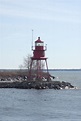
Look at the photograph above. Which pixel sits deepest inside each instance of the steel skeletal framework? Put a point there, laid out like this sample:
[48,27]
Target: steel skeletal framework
[39,59]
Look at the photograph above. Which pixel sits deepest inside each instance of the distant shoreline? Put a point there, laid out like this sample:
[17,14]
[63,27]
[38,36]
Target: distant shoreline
[9,70]
[64,69]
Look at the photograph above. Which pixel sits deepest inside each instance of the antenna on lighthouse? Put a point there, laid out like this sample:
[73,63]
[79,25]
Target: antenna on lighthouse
[32,39]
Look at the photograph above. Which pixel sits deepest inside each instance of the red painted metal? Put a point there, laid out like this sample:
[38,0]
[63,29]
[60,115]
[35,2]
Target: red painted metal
[38,56]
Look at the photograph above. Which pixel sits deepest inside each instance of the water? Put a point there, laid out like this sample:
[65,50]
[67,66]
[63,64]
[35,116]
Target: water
[74,77]
[43,105]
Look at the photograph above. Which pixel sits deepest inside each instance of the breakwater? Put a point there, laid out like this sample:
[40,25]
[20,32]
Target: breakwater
[36,84]
[18,79]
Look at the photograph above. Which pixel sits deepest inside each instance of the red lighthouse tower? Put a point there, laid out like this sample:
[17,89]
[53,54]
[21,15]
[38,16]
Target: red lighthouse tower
[39,57]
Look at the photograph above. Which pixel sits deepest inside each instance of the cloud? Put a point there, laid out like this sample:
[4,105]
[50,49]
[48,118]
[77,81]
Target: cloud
[23,9]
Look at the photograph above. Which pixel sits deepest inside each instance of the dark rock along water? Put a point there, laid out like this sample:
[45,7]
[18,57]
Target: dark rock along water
[43,105]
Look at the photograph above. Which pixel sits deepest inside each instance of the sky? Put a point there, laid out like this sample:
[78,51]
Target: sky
[56,22]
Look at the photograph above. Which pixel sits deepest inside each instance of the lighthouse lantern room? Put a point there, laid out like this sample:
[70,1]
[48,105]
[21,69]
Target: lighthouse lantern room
[39,58]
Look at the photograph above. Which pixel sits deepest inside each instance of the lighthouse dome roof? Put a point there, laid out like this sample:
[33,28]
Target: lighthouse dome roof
[38,40]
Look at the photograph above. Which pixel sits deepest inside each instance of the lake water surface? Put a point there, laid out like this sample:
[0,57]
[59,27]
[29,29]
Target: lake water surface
[43,105]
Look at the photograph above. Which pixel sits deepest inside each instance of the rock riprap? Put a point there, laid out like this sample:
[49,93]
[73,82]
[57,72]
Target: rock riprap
[36,84]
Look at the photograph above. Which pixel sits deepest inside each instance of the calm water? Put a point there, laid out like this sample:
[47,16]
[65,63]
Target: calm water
[43,105]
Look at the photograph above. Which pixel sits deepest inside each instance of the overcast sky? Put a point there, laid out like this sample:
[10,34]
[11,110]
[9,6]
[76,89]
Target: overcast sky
[57,22]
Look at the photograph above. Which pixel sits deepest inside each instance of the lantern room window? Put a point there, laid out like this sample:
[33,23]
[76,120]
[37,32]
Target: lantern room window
[39,44]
